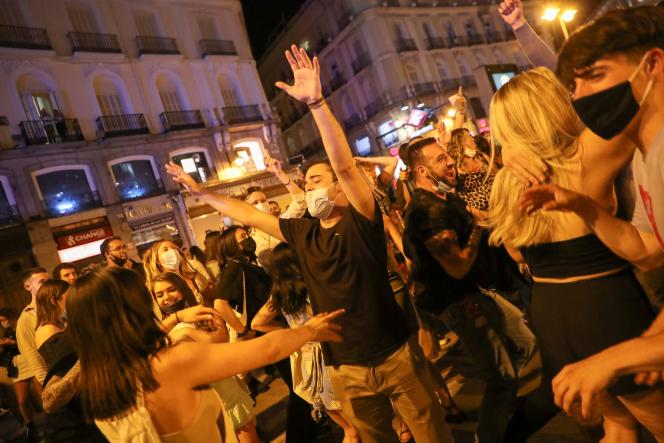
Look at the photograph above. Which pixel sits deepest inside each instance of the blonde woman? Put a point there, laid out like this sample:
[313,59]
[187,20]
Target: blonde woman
[165,256]
[584,297]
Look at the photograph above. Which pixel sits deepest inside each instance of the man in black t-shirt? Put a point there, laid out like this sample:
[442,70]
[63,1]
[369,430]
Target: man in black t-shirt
[343,257]
[451,261]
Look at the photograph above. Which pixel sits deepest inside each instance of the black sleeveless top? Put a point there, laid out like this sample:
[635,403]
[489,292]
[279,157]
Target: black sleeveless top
[578,256]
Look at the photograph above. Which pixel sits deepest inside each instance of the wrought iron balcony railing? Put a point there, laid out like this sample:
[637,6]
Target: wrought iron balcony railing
[242,114]
[176,120]
[436,43]
[24,37]
[122,124]
[47,131]
[156,45]
[405,44]
[93,42]
[217,47]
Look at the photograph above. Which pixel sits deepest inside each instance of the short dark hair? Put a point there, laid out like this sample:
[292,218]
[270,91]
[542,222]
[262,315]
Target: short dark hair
[32,271]
[415,151]
[61,267]
[273,202]
[630,32]
[103,247]
[321,162]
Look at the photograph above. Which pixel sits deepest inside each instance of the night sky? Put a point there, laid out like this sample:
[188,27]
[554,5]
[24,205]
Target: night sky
[263,16]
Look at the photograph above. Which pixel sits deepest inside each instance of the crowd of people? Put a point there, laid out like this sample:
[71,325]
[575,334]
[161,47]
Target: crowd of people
[537,241]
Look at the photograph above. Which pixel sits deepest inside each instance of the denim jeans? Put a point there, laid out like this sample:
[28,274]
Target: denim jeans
[493,332]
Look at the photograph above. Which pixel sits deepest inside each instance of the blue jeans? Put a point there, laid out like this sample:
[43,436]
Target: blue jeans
[493,332]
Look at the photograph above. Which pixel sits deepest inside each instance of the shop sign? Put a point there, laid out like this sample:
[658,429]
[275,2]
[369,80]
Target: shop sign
[83,237]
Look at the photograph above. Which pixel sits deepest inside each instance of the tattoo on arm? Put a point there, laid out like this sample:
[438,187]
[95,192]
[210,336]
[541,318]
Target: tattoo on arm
[60,390]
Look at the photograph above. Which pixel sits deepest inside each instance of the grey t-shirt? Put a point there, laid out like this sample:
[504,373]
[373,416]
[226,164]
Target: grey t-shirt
[649,186]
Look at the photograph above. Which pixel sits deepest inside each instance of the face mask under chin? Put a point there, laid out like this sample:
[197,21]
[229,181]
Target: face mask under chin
[118,260]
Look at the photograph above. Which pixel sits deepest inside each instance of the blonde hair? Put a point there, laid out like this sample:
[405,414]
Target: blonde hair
[153,268]
[533,114]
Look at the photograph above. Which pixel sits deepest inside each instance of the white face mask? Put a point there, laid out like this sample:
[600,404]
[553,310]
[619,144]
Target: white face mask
[263,207]
[318,203]
[468,152]
[170,259]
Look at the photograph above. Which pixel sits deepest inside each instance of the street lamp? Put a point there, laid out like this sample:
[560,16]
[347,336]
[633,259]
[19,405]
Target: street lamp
[566,16]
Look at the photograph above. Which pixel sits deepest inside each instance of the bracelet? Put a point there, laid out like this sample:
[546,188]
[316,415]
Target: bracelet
[316,103]
[288,182]
[176,317]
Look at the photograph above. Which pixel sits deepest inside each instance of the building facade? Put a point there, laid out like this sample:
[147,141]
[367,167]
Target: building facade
[382,59]
[95,97]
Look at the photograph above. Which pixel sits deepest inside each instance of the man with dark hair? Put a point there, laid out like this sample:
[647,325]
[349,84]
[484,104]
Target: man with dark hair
[451,267]
[114,251]
[67,272]
[274,207]
[342,252]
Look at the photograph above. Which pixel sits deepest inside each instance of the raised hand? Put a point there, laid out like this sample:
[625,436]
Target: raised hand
[458,100]
[179,176]
[273,165]
[306,86]
[323,327]
[549,198]
[512,13]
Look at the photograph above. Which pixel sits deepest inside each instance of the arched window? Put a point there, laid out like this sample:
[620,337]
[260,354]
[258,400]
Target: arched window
[410,68]
[249,155]
[228,91]
[37,96]
[65,190]
[479,56]
[136,177]
[109,96]
[463,66]
[170,93]
[443,70]
[195,162]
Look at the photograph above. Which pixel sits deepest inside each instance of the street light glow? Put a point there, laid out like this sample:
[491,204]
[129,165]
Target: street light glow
[568,15]
[550,14]
[451,113]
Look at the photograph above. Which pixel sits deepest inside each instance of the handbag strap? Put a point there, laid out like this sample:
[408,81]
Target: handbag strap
[243,319]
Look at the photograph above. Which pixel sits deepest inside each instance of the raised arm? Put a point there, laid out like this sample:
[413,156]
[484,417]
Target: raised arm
[202,363]
[238,210]
[298,205]
[388,164]
[264,321]
[307,89]
[623,238]
[537,51]
[459,102]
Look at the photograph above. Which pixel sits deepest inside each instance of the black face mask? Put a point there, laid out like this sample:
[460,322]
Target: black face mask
[177,306]
[607,113]
[117,260]
[248,246]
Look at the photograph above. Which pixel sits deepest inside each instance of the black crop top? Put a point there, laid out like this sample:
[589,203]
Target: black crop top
[578,256]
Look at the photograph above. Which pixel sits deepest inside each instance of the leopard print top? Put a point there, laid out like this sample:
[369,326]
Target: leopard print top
[474,190]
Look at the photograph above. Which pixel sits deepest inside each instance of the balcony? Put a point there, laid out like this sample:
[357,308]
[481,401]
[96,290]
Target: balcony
[457,40]
[9,215]
[375,107]
[177,120]
[337,81]
[48,131]
[362,61]
[70,204]
[217,47]
[475,39]
[424,88]
[242,114]
[122,124]
[156,45]
[449,84]
[468,80]
[494,37]
[436,43]
[351,122]
[92,42]
[405,44]
[22,37]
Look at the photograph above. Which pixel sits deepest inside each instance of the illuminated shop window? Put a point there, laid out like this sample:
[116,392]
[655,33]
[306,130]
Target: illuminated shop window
[136,179]
[66,191]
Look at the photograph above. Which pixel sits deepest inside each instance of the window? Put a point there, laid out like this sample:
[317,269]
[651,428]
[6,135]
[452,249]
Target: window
[481,59]
[136,179]
[463,66]
[10,13]
[428,30]
[195,164]
[363,146]
[207,27]
[8,213]
[410,68]
[441,67]
[82,18]
[228,92]
[37,97]
[66,191]
[168,92]
[249,156]
[387,132]
[146,24]
[400,32]
[108,97]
